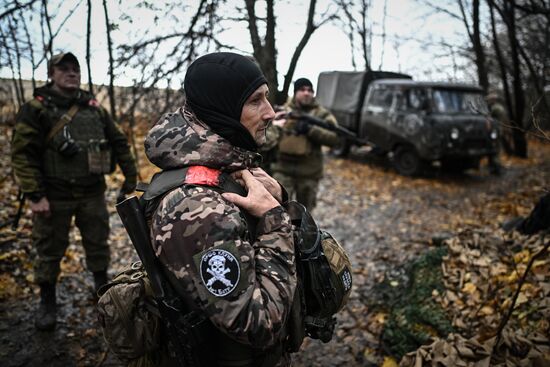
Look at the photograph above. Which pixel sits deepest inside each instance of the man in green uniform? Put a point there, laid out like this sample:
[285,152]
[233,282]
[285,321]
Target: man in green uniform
[299,163]
[64,142]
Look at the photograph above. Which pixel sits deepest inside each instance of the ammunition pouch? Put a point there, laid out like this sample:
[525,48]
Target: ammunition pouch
[100,157]
[294,145]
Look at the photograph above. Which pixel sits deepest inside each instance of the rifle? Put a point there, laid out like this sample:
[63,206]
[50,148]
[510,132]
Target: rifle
[185,330]
[339,130]
[17,217]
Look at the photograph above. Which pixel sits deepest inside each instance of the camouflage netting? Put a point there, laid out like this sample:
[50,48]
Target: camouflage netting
[466,287]
[513,350]
[414,318]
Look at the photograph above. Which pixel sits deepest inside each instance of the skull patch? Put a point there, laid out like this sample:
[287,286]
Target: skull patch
[220,272]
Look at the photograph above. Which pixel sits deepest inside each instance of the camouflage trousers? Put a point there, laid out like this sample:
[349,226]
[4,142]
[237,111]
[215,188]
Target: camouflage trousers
[51,235]
[303,190]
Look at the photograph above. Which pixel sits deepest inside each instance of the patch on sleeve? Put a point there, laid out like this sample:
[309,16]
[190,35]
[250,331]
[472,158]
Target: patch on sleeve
[220,271]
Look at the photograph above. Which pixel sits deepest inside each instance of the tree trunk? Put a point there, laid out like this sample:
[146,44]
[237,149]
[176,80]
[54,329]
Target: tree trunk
[88,36]
[111,63]
[520,142]
[478,49]
[506,144]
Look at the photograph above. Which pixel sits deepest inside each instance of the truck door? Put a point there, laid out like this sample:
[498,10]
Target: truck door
[375,124]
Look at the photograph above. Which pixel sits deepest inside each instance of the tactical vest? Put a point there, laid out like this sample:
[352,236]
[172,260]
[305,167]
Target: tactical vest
[86,127]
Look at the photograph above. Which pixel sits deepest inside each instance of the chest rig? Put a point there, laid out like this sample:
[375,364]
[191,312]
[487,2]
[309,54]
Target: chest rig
[85,131]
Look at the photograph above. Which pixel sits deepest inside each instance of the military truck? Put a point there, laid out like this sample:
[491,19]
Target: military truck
[414,123]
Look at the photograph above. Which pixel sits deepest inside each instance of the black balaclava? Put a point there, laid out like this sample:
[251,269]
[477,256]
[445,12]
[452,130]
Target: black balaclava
[216,87]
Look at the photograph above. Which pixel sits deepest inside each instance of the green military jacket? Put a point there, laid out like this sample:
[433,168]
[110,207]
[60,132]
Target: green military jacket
[38,166]
[307,160]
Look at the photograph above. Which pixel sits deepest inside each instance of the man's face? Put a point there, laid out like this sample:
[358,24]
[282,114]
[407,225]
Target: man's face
[257,113]
[66,76]
[304,96]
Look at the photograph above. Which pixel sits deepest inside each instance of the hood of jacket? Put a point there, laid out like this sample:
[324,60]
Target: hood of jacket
[179,140]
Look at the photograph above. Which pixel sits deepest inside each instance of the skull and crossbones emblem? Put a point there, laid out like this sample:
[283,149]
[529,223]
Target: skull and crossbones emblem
[220,271]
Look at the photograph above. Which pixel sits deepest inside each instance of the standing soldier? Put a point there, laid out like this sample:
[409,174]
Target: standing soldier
[63,144]
[299,163]
[242,276]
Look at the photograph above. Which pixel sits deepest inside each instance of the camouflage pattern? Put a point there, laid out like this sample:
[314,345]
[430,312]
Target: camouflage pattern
[194,224]
[293,169]
[130,330]
[41,171]
[38,166]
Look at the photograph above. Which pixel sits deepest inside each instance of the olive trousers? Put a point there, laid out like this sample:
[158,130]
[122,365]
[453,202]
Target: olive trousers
[303,190]
[51,235]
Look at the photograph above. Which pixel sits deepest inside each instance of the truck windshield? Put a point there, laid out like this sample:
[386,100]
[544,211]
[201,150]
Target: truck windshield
[459,101]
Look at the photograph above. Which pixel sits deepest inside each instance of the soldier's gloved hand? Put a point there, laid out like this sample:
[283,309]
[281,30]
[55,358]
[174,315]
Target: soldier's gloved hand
[302,127]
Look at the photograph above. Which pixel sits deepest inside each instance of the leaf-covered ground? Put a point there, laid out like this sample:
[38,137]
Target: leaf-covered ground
[383,219]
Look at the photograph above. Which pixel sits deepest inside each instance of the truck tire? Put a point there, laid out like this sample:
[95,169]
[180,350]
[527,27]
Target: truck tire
[407,161]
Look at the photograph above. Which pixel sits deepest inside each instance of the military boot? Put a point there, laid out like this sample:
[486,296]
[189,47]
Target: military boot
[47,312]
[100,278]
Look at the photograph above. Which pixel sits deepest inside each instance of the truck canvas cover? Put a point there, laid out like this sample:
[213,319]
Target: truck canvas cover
[343,92]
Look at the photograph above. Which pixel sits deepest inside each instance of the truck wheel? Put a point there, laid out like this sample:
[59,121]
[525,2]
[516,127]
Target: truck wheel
[342,149]
[406,161]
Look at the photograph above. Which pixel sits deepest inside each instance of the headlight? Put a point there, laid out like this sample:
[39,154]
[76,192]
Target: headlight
[494,134]
[454,133]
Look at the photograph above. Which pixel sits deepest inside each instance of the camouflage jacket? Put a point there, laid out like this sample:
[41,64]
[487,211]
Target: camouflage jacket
[245,287]
[30,145]
[309,165]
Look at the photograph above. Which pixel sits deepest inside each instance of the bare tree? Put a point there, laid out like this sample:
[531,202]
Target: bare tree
[356,21]
[265,49]
[474,35]
[184,45]
[88,38]
[112,102]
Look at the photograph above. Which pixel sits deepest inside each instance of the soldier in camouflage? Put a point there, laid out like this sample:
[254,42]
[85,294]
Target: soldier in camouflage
[299,163]
[59,167]
[243,280]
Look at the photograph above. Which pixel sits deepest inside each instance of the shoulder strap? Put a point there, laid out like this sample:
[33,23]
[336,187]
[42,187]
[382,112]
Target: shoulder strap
[167,180]
[63,120]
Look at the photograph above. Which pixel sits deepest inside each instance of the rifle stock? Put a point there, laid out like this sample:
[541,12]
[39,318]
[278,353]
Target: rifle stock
[132,218]
[181,328]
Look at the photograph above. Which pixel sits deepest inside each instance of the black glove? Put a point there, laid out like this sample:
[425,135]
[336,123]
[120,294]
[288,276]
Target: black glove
[302,127]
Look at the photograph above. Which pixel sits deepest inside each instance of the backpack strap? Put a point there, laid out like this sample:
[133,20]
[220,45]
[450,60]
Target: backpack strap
[165,181]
